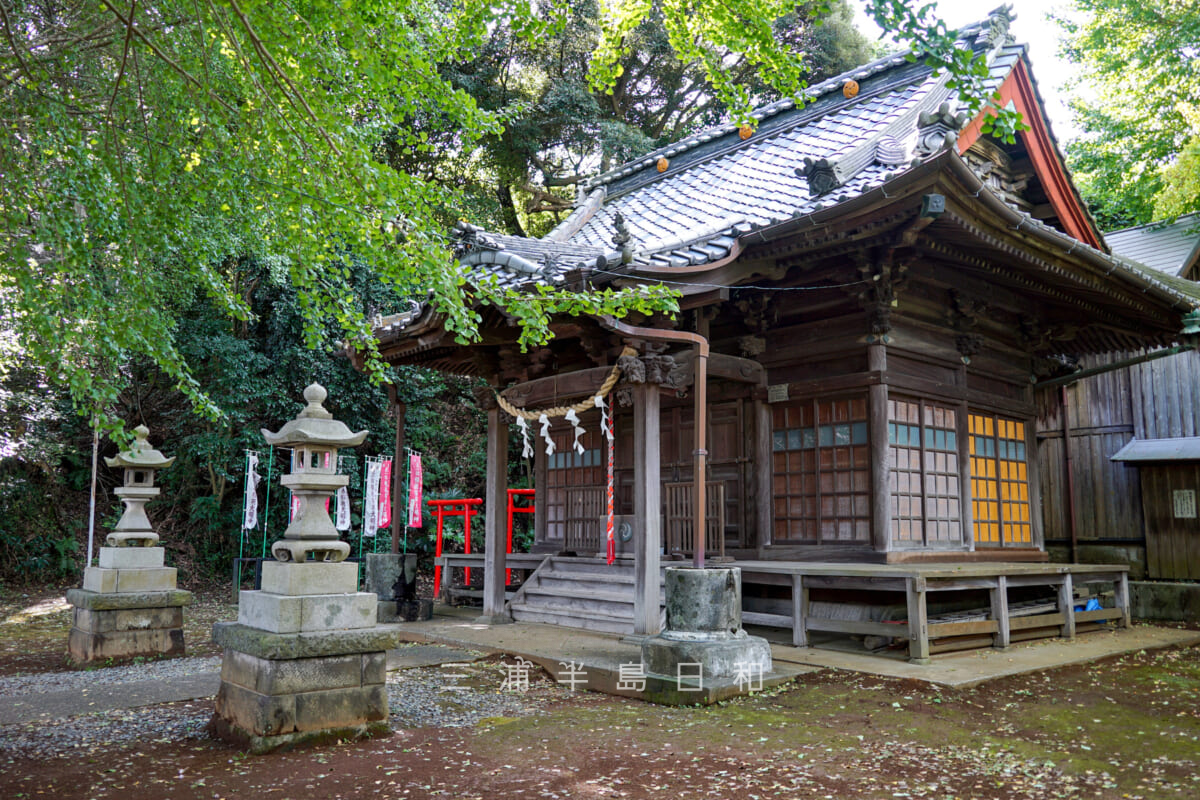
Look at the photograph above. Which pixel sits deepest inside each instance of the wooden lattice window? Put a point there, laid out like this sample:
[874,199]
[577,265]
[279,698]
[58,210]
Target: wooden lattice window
[821,472]
[925,496]
[567,469]
[999,481]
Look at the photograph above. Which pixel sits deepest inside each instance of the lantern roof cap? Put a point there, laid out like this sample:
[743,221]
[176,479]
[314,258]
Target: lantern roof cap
[141,454]
[314,425]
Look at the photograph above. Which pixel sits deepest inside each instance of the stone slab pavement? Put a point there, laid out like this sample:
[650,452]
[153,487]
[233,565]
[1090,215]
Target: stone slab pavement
[46,706]
[973,667]
[549,645]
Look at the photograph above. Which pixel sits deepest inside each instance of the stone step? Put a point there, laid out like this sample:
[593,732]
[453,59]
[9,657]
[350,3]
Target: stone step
[571,618]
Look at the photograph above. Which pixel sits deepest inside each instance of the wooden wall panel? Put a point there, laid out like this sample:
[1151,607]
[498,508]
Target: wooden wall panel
[1172,544]
[1166,398]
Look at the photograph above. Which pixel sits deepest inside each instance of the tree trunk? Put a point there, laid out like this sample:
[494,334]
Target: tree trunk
[508,209]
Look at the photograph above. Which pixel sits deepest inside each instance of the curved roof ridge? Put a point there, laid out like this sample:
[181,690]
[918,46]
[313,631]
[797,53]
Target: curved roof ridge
[965,34]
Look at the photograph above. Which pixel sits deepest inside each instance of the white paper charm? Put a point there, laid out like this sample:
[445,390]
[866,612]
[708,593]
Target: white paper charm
[604,426]
[573,418]
[371,500]
[343,509]
[250,511]
[526,446]
[545,434]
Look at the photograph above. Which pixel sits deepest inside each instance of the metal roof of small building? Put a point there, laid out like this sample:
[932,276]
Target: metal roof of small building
[1169,247]
[1186,448]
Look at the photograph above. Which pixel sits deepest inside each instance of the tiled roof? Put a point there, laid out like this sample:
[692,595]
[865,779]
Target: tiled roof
[717,186]
[1169,248]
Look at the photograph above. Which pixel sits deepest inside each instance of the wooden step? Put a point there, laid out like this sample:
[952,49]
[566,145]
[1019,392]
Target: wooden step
[571,618]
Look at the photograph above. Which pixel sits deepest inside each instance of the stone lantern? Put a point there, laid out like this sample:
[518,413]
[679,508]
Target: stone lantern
[305,658]
[129,605]
[140,463]
[314,437]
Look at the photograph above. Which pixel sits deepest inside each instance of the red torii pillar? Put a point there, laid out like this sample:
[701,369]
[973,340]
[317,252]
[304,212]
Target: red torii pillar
[441,509]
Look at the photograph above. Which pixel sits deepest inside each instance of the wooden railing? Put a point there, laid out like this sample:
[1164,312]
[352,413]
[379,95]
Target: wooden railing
[680,528]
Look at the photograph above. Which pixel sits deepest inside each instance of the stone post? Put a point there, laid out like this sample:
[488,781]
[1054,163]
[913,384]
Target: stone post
[305,658]
[704,646]
[129,606]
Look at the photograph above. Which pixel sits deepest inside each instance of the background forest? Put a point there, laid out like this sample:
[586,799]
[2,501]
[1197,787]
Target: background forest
[520,176]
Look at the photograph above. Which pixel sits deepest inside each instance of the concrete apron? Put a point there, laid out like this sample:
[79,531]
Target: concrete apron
[600,655]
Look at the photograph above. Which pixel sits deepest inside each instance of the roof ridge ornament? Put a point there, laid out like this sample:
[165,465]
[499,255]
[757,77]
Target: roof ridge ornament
[938,130]
[823,175]
[996,31]
[621,237]
[470,238]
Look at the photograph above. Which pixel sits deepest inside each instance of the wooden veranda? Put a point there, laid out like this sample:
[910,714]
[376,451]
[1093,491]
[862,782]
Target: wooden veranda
[786,589]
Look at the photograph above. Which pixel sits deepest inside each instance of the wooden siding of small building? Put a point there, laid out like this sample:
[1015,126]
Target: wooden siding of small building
[1107,495]
[1172,543]
[1117,502]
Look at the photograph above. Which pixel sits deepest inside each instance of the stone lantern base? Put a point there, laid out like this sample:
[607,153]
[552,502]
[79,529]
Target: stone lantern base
[704,643]
[128,608]
[304,661]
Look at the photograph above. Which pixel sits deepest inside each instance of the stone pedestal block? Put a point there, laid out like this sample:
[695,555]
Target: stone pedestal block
[704,640]
[131,557]
[123,580]
[281,689]
[391,611]
[123,626]
[313,577]
[383,573]
[279,613]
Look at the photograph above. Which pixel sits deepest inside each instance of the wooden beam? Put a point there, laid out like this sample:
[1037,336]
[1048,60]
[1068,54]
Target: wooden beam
[727,367]
[552,388]
[647,510]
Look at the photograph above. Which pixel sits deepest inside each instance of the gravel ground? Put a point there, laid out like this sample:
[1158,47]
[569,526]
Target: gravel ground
[451,696]
[88,733]
[83,679]
[461,695]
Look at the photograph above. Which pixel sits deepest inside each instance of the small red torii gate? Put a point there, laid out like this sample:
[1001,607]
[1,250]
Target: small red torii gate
[468,508]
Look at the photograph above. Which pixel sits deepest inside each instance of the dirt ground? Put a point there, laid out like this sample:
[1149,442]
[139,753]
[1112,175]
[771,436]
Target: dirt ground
[1124,728]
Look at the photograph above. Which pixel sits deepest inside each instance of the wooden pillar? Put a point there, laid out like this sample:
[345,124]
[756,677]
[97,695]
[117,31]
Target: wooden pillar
[967,507]
[1066,605]
[877,412]
[918,621]
[799,611]
[764,476]
[1122,597]
[495,505]
[647,510]
[1002,637]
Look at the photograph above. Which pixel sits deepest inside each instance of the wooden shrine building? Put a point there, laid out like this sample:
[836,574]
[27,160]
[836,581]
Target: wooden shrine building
[881,288]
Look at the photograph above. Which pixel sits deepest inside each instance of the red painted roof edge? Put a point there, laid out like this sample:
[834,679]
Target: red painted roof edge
[1018,88]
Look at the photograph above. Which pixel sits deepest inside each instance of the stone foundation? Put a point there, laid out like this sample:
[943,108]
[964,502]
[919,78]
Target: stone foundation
[305,660]
[123,626]
[704,641]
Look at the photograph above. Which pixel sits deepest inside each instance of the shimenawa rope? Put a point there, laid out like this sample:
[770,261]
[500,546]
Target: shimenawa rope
[578,408]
